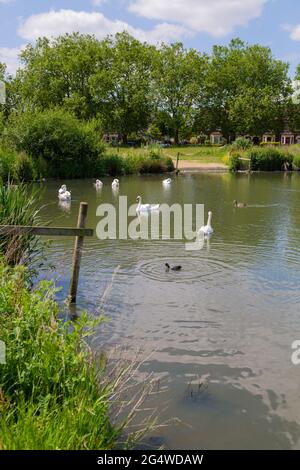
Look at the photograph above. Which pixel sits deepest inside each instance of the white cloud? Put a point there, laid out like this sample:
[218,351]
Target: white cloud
[295,33]
[215,17]
[57,22]
[10,57]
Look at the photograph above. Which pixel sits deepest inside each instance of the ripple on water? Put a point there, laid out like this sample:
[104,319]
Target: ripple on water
[193,269]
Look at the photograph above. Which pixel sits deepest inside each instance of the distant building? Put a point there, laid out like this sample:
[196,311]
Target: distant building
[112,138]
[287,138]
[269,137]
[216,138]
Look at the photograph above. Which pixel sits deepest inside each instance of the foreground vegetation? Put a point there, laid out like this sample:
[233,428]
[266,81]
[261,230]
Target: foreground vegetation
[54,392]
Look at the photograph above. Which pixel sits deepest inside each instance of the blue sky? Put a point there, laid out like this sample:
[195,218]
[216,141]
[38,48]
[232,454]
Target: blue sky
[197,23]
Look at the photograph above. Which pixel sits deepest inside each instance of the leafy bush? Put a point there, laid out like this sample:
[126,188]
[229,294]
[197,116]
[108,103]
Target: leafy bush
[234,162]
[269,159]
[193,141]
[152,162]
[241,143]
[296,162]
[8,159]
[24,170]
[111,165]
[154,153]
[69,148]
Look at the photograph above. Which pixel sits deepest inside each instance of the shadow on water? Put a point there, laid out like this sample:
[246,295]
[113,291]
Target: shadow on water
[212,413]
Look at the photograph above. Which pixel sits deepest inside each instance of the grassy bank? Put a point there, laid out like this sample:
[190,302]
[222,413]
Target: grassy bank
[267,158]
[188,153]
[54,393]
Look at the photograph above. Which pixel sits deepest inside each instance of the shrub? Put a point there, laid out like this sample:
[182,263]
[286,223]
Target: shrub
[115,164]
[70,148]
[234,162]
[193,141]
[241,143]
[154,153]
[24,170]
[269,159]
[111,165]
[296,162]
[152,166]
[8,159]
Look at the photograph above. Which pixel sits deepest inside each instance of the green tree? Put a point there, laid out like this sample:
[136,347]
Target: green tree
[122,87]
[246,89]
[179,83]
[58,73]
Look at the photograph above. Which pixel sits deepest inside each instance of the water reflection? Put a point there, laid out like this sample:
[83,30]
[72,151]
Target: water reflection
[227,319]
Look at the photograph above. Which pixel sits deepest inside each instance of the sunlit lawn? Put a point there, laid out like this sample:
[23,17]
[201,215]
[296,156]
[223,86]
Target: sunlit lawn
[201,154]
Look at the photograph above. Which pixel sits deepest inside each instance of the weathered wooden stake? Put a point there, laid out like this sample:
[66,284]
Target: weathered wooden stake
[177,162]
[83,209]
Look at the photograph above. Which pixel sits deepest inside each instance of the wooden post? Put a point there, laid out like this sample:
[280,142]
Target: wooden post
[177,162]
[83,209]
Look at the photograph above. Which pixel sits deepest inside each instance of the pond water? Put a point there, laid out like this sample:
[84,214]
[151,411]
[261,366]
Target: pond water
[218,334]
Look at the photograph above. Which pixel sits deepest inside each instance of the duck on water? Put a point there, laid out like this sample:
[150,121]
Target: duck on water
[173,268]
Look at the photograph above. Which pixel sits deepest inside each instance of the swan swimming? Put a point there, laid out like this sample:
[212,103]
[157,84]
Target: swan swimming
[64,194]
[207,229]
[167,181]
[145,207]
[115,184]
[62,189]
[98,184]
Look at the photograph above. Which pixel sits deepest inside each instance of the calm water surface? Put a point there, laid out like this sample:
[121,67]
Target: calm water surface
[226,321]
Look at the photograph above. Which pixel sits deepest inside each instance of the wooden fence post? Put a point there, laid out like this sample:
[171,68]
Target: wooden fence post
[83,209]
[177,162]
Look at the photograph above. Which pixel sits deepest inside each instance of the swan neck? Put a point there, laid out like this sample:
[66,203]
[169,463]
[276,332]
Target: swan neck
[209,220]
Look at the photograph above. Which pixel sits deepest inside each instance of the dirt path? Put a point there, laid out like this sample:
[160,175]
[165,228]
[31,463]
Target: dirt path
[196,165]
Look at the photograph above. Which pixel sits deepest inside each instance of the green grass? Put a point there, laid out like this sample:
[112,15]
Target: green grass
[54,392]
[201,154]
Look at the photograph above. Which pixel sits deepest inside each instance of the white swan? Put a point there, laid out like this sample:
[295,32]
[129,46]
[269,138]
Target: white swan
[115,184]
[145,207]
[62,189]
[66,196]
[167,181]
[207,229]
[98,184]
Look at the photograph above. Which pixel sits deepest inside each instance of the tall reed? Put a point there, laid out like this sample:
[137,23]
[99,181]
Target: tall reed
[19,206]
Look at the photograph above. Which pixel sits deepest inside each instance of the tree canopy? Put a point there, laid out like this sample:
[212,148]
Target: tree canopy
[131,87]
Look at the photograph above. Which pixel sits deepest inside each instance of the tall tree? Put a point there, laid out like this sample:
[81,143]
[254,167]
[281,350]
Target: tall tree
[122,87]
[246,89]
[179,83]
[58,72]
